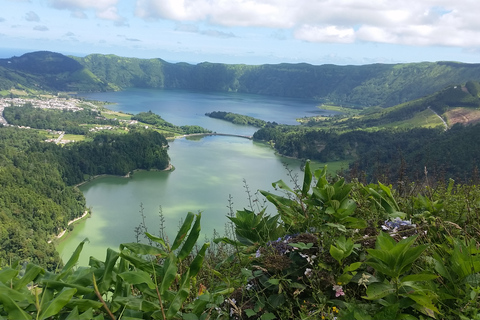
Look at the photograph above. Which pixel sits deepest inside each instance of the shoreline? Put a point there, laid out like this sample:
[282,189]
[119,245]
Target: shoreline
[61,234]
[169,167]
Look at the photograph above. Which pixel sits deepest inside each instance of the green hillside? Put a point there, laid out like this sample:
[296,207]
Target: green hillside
[378,140]
[354,86]
[48,71]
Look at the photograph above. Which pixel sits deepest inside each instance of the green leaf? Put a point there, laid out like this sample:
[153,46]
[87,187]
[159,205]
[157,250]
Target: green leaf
[180,297]
[340,227]
[7,274]
[156,239]
[419,277]
[73,260]
[30,274]
[282,185]
[140,248]
[189,316]
[59,285]
[182,233]
[354,266]
[249,312]
[191,240]
[307,179]
[54,306]
[73,314]
[110,261]
[170,272]
[136,277]
[268,316]
[379,290]
[196,264]
[336,253]
[84,304]
[13,309]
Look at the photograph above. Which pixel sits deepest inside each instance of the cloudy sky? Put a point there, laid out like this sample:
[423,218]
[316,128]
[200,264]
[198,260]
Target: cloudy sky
[247,31]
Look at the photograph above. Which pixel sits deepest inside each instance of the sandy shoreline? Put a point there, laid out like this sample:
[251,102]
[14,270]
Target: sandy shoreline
[58,236]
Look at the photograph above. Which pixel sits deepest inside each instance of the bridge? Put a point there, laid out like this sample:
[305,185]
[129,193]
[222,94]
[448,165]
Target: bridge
[217,134]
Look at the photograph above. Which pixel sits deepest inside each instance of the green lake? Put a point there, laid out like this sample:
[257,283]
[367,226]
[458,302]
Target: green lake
[208,171]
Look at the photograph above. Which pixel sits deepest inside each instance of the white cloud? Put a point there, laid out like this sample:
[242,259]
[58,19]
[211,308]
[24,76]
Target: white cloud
[325,34]
[410,22]
[104,9]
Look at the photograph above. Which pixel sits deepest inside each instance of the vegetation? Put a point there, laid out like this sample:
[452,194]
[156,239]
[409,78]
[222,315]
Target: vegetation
[157,121]
[59,120]
[333,250]
[353,86]
[379,143]
[336,248]
[237,118]
[38,197]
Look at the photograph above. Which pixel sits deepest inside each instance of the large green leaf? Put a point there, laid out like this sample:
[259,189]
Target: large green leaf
[379,290]
[169,272]
[182,233]
[337,253]
[136,277]
[140,248]
[180,297]
[73,260]
[191,239]
[84,304]
[31,273]
[7,274]
[307,179]
[157,240]
[107,277]
[196,264]
[59,285]
[54,306]
[14,311]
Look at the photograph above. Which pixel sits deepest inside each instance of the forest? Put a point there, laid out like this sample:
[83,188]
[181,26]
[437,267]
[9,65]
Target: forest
[38,195]
[58,120]
[237,118]
[382,85]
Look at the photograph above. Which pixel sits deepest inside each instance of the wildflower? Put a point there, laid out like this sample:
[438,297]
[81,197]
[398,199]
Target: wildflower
[334,309]
[338,291]
[258,254]
[308,272]
[364,280]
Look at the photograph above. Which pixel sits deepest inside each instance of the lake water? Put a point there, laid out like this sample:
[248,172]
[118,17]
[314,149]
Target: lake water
[208,171]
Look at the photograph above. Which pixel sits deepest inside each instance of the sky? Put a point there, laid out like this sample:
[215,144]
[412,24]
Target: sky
[341,32]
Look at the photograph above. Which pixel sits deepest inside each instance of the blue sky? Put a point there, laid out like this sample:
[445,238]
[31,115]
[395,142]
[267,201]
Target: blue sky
[338,32]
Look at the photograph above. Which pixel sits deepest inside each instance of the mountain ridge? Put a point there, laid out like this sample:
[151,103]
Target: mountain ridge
[361,86]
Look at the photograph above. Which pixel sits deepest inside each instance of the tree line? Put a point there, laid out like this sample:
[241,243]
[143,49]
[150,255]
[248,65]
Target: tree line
[38,194]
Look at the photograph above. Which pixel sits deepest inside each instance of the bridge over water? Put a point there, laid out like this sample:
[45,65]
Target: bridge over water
[217,134]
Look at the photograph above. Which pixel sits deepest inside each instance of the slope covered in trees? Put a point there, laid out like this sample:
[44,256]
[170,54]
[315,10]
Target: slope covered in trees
[391,143]
[358,86]
[37,194]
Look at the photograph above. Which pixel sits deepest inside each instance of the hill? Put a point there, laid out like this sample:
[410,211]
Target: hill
[382,85]
[48,71]
[394,143]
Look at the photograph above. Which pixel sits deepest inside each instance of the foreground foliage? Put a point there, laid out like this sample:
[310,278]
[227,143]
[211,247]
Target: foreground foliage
[332,250]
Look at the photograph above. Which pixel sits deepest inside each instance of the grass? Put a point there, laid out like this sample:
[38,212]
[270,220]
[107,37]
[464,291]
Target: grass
[423,119]
[74,137]
[118,115]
